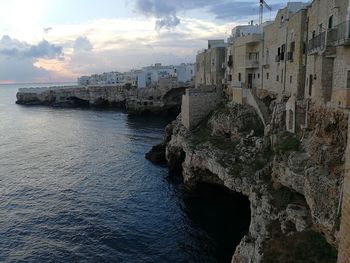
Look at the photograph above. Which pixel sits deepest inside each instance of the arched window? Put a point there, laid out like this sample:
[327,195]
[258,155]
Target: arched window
[330,22]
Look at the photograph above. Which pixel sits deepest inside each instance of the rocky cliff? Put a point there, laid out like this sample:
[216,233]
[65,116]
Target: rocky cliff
[153,100]
[292,181]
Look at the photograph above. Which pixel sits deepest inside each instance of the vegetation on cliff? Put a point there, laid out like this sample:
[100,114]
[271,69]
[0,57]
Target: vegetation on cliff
[293,193]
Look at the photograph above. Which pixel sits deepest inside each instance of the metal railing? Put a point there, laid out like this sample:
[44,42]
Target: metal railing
[339,35]
[317,43]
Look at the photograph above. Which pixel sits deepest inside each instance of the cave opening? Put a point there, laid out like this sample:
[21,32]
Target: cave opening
[223,214]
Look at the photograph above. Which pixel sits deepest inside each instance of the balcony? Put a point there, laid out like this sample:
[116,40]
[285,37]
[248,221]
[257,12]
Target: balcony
[251,39]
[252,63]
[317,43]
[339,35]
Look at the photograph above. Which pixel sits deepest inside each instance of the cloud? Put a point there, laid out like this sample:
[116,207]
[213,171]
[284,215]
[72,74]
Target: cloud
[236,9]
[104,45]
[15,49]
[47,30]
[166,12]
[17,59]
[82,44]
[167,22]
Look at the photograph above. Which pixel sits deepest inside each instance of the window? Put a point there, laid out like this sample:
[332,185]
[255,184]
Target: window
[330,22]
[230,77]
[267,75]
[254,76]
[239,77]
[258,75]
[290,79]
[277,78]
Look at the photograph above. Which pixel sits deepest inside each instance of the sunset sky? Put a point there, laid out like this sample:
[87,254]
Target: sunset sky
[59,40]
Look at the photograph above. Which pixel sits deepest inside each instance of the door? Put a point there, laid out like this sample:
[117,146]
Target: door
[250,81]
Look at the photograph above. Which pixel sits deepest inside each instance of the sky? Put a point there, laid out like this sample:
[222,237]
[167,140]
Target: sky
[60,40]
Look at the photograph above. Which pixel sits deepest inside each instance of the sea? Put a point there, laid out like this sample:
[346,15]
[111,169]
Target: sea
[75,187]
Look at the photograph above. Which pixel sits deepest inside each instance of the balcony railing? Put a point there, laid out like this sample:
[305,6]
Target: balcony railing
[252,63]
[339,35]
[317,43]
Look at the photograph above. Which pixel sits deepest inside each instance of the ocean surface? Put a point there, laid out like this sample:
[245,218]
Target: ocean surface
[75,187]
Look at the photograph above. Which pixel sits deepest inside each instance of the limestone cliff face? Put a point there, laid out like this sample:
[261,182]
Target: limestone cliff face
[153,100]
[292,181]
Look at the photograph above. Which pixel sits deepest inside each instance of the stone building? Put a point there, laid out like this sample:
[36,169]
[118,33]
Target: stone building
[284,52]
[209,64]
[210,70]
[243,59]
[328,53]
[247,62]
[284,60]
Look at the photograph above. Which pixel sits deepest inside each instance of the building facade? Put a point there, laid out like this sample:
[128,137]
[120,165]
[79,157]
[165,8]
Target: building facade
[143,78]
[210,64]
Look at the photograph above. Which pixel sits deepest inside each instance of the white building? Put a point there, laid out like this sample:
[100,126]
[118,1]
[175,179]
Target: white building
[145,77]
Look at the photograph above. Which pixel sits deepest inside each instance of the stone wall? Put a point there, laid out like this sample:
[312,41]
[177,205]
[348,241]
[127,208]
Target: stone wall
[344,246]
[197,104]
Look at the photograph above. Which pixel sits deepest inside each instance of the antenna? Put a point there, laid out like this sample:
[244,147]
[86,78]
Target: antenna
[261,10]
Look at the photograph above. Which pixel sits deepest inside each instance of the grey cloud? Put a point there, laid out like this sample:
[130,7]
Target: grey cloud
[15,49]
[82,44]
[17,59]
[166,12]
[47,29]
[21,70]
[44,50]
[235,10]
[167,22]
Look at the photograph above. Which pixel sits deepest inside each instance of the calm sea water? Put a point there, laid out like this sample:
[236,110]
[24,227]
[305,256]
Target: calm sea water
[75,187]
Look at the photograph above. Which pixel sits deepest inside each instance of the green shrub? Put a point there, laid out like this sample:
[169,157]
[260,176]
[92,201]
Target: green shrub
[288,143]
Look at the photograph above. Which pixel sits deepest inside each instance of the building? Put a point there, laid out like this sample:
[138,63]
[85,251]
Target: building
[284,52]
[210,64]
[143,78]
[328,60]
[302,57]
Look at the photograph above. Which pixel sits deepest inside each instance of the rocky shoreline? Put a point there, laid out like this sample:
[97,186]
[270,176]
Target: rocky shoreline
[292,181]
[150,100]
